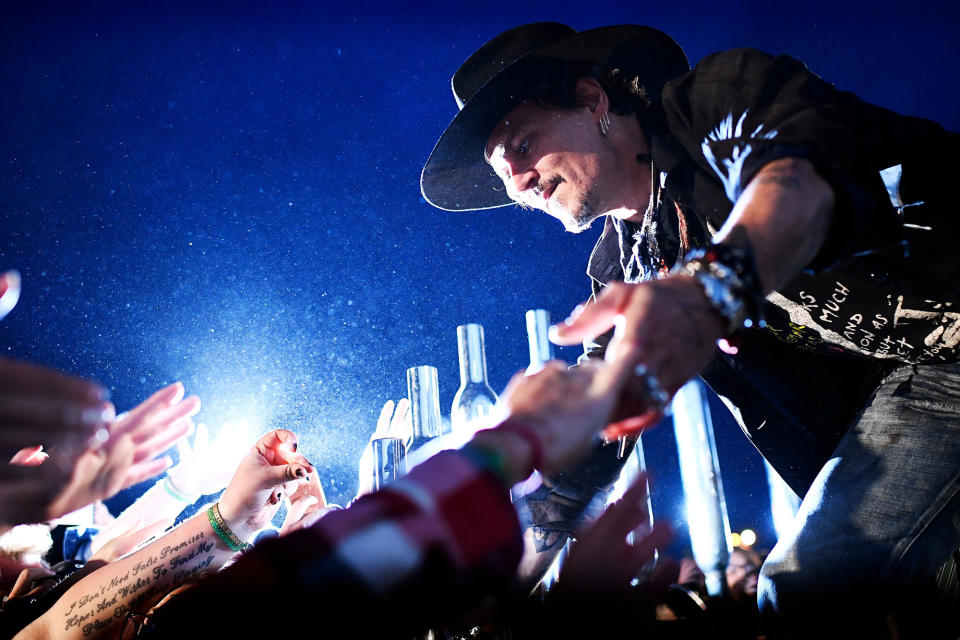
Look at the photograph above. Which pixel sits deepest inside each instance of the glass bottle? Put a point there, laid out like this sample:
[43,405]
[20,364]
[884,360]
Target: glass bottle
[474,400]
[702,488]
[424,394]
[389,461]
[541,349]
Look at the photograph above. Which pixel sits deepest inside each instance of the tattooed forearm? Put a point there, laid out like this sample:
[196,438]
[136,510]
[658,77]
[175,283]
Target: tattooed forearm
[786,211]
[546,539]
[105,597]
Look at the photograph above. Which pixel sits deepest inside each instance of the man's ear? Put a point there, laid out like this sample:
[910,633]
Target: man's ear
[591,94]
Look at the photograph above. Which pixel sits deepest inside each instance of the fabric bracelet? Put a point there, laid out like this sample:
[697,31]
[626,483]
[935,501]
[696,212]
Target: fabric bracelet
[223,531]
[532,439]
[172,489]
[487,458]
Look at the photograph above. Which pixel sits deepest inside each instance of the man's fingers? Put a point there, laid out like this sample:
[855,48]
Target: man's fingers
[624,515]
[26,577]
[590,320]
[298,508]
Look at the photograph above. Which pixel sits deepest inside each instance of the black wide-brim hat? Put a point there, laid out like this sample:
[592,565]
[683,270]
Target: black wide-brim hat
[498,76]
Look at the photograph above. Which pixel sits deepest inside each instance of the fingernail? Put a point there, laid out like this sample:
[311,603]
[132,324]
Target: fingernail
[299,472]
[92,416]
[294,446]
[100,438]
[99,394]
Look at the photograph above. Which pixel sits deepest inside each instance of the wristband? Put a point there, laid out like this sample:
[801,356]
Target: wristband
[487,458]
[532,439]
[730,282]
[223,531]
[171,489]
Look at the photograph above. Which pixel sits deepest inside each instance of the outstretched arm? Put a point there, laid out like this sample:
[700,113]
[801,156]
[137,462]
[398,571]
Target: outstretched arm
[669,325]
[100,602]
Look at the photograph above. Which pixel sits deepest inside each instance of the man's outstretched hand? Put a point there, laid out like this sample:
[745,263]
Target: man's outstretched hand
[666,325]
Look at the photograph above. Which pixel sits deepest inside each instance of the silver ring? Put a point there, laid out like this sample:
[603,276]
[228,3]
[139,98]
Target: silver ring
[655,396]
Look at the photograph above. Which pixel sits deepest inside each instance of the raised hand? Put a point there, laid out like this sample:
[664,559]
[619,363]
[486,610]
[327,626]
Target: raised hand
[268,471]
[666,327]
[602,560]
[9,292]
[392,423]
[39,408]
[205,467]
[565,408]
[306,504]
[127,457]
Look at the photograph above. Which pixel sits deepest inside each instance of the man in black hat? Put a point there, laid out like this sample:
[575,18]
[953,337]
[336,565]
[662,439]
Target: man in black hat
[750,205]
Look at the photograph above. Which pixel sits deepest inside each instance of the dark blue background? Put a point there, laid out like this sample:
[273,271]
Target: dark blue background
[228,196]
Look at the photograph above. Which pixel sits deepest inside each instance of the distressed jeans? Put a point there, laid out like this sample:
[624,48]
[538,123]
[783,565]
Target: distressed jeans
[880,517]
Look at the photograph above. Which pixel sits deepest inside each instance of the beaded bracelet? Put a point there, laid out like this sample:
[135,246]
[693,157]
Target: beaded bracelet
[223,531]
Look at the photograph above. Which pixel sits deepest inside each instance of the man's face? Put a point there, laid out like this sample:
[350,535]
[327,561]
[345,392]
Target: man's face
[554,160]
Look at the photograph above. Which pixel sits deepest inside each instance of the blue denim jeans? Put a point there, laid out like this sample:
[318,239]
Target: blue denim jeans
[881,515]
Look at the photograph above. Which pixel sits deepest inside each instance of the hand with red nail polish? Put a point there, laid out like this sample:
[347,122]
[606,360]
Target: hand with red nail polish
[41,410]
[250,500]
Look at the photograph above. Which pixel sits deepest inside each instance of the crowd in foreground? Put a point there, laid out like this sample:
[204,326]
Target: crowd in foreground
[435,552]
[436,549]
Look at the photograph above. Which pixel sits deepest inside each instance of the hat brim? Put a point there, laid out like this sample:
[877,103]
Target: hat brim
[456,177]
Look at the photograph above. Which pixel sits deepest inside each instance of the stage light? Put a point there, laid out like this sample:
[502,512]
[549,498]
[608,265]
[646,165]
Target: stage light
[748,538]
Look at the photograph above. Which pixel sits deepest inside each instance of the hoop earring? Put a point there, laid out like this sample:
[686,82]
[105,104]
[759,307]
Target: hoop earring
[604,123]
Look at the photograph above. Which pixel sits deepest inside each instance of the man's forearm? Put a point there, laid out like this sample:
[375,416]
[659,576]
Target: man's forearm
[101,600]
[786,212]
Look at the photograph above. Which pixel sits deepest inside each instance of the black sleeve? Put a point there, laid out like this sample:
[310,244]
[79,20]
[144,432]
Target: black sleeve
[739,110]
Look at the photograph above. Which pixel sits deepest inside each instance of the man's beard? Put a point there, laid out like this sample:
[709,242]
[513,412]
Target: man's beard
[583,215]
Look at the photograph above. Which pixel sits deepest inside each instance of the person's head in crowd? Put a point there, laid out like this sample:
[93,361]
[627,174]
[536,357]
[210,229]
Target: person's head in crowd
[743,570]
